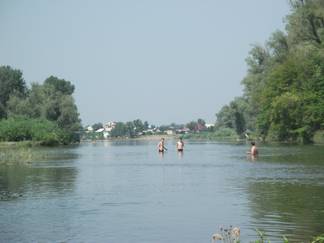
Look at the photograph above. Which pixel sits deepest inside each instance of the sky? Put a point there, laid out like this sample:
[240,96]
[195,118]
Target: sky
[161,61]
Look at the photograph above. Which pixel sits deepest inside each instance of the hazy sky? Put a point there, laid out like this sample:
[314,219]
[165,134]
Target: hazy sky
[162,61]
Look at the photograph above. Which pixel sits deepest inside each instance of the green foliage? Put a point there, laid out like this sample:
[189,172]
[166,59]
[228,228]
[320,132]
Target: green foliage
[138,125]
[129,129]
[60,85]
[146,125]
[48,102]
[233,116]
[192,125]
[39,130]
[319,137]
[49,106]
[97,126]
[318,239]
[219,134]
[284,88]
[225,132]
[261,237]
[199,125]
[11,82]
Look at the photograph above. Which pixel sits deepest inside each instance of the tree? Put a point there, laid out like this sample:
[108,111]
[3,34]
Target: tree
[138,125]
[60,85]
[233,116]
[97,126]
[131,129]
[49,101]
[11,83]
[201,125]
[192,126]
[284,87]
[119,130]
[146,125]
[306,23]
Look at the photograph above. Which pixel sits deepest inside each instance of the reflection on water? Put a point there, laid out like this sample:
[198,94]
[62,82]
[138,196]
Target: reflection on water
[285,191]
[52,170]
[292,209]
[125,191]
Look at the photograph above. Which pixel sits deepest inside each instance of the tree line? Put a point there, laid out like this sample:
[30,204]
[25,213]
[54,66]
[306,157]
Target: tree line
[137,128]
[283,98]
[45,112]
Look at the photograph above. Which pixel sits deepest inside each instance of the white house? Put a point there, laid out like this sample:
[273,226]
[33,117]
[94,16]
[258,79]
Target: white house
[89,129]
[100,130]
[109,126]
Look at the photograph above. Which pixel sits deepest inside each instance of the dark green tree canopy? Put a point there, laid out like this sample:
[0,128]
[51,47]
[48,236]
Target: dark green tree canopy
[60,85]
[51,101]
[284,86]
[11,83]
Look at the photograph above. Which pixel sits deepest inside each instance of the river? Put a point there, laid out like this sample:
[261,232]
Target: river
[124,191]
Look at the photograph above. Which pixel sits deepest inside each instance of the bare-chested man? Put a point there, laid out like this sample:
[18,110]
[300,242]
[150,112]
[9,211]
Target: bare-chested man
[180,145]
[254,150]
[161,147]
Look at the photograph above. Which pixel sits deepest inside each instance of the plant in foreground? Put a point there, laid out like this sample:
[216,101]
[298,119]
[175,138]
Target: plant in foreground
[227,235]
[232,235]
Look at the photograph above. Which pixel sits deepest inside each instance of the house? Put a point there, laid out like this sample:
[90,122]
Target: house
[109,126]
[89,129]
[183,130]
[100,130]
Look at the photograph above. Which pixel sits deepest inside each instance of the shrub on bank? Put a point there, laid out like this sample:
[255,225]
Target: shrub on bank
[38,130]
[220,133]
[319,137]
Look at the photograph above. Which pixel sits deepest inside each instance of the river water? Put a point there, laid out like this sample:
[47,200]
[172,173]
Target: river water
[124,191]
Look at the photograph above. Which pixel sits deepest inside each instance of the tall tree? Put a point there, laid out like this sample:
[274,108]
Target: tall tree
[11,83]
[284,85]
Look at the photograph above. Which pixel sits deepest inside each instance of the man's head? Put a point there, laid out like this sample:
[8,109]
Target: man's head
[253,143]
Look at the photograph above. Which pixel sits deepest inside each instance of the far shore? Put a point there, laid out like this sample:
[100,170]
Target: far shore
[144,137]
[155,137]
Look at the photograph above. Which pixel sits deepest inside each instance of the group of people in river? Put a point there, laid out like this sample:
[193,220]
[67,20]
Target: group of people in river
[161,145]
[180,146]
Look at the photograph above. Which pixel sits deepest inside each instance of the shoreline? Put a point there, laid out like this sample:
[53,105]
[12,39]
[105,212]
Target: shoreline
[29,144]
[145,138]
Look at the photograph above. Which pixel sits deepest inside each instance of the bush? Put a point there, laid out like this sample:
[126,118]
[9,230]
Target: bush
[39,130]
[218,134]
[225,132]
[319,137]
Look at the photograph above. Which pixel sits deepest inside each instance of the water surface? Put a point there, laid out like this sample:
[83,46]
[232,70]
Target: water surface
[124,191]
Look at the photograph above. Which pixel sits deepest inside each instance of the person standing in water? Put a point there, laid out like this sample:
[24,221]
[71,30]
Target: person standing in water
[254,150]
[180,145]
[161,147]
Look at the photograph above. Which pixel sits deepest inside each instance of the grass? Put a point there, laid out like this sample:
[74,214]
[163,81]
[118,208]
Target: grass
[19,153]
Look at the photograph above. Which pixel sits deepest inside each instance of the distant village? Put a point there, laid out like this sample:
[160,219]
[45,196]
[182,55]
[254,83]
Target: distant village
[137,128]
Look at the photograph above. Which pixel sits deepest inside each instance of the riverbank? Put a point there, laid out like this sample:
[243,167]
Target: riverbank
[144,137]
[318,138]
[211,136]
[24,152]
[21,144]
[17,155]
